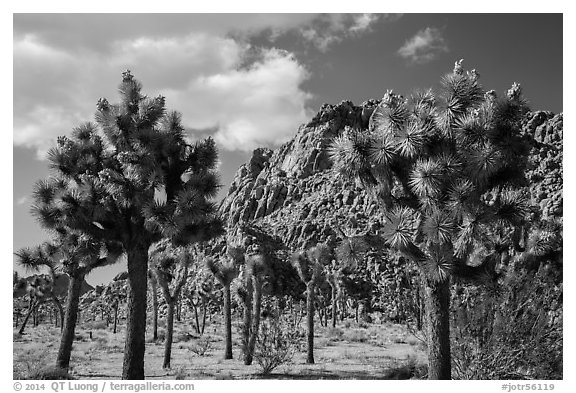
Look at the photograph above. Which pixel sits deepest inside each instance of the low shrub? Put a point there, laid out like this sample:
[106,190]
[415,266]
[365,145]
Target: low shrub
[95,325]
[515,333]
[28,363]
[408,369]
[180,374]
[334,333]
[201,346]
[275,345]
[355,335]
[51,373]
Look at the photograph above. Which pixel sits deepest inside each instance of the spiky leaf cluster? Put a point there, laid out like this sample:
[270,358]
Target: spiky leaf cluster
[446,151]
[70,253]
[131,176]
[310,263]
[225,270]
[170,265]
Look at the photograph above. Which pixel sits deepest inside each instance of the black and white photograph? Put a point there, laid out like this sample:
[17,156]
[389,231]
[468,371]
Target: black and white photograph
[287,196]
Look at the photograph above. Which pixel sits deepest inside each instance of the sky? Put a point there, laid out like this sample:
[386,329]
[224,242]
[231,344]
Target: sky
[251,80]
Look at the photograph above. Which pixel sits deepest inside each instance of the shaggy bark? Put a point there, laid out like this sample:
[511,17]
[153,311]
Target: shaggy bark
[133,366]
[310,321]
[154,311]
[169,333]
[228,322]
[247,322]
[255,320]
[438,326]
[70,319]
[204,311]
[60,311]
[115,316]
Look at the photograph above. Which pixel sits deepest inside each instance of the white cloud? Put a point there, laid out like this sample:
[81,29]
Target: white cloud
[203,76]
[425,46]
[328,29]
[260,105]
[362,22]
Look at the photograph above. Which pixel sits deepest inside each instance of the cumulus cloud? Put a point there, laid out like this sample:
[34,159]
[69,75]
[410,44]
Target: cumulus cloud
[262,104]
[243,104]
[424,47]
[328,29]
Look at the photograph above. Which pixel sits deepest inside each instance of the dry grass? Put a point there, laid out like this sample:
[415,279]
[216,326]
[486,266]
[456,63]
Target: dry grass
[373,352]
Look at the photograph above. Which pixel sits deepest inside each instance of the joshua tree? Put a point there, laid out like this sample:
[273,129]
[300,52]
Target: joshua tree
[225,272]
[39,289]
[170,266]
[132,178]
[198,290]
[114,295]
[349,253]
[309,265]
[445,170]
[76,255]
[249,292]
[333,274]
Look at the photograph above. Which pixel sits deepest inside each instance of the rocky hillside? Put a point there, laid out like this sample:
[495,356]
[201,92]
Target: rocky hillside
[294,194]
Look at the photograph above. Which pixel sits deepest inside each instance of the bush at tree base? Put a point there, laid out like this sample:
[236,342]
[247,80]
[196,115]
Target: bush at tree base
[276,344]
[515,333]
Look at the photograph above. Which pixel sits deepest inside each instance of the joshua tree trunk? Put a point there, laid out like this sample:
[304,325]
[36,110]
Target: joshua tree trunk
[71,317]
[31,309]
[204,307]
[115,316]
[310,321]
[228,322]
[169,332]
[334,308]
[419,307]
[247,321]
[60,311]
[255,320]
[438,329]
[154,311]
[133,366]
[196,318]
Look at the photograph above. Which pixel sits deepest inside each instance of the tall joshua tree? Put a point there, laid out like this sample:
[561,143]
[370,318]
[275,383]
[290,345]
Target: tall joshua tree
[309,265]
[76,255]
[170,266]
[446,169]
[226,271]
[132,178]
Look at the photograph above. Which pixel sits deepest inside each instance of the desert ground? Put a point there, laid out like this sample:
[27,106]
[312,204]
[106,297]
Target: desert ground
[350,351]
